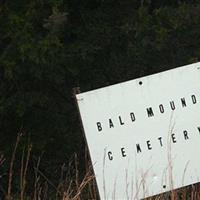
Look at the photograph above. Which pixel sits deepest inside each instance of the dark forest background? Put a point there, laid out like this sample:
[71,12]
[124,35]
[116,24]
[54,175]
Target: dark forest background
[48,47]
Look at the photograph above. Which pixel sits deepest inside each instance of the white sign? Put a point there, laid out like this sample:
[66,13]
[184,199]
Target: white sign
[144,134]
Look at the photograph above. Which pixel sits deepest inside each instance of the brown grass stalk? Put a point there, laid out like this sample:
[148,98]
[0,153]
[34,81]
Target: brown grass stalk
[23,173]
[10,178]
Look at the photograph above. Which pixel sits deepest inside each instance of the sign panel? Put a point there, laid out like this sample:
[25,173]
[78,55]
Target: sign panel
[144,134]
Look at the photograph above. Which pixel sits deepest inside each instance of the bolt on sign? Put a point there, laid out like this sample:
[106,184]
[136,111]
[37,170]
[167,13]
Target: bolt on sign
[144,135]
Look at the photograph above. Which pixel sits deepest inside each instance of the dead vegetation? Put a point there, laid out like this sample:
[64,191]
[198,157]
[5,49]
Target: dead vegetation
[70,186]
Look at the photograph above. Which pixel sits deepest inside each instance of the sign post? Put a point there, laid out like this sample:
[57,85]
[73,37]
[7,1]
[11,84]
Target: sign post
[144,135]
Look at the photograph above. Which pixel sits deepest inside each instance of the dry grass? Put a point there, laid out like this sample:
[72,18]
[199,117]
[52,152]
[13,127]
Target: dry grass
[70,186]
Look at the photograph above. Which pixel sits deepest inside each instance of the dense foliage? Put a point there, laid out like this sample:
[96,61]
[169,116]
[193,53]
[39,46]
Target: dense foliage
[48,47]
